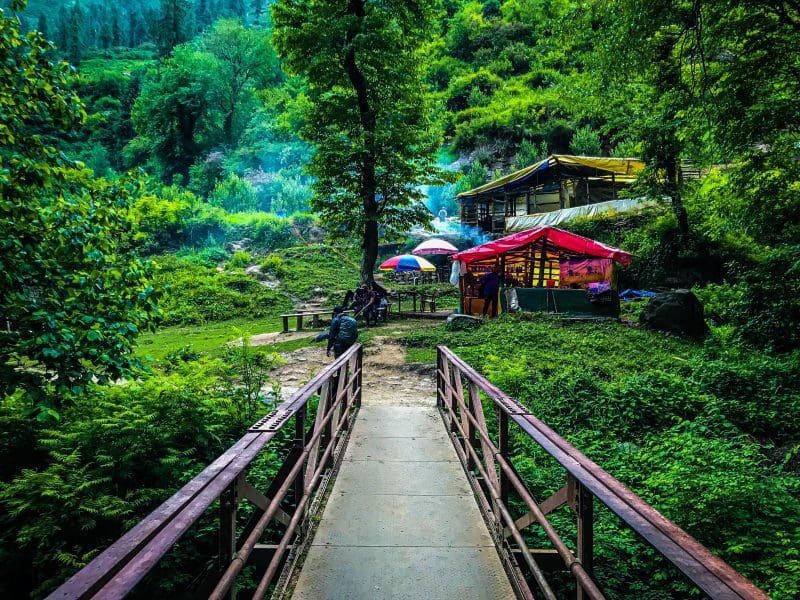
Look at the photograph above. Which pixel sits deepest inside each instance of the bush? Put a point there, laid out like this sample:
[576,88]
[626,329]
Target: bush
[274,264]
[119,452]
[234,194]
[240,260]
[266,231]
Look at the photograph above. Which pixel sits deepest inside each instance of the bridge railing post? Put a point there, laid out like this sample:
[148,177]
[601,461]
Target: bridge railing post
[228,504]
[503,447]
[300,444]
[584,511]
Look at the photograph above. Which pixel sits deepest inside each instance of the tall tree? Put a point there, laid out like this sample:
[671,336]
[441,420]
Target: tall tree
[136,29]
[172,27]
[62,29]
[246,60]
[42,26]
[369,114]
[643,59]
[169,113]
[257,8]
[75,41]
[116,29]
[202,16]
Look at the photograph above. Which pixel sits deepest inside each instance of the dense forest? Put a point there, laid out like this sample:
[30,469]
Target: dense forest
[169,166]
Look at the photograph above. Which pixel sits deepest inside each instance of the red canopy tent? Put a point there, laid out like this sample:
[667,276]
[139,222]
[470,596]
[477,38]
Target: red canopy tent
[573,243]
[545,257]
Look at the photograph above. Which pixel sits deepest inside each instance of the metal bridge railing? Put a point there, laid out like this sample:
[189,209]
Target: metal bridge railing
[459,389]
[115,572]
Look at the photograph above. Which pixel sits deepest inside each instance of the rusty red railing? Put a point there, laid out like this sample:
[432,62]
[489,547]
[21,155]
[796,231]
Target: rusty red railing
[285,504]
[496,478]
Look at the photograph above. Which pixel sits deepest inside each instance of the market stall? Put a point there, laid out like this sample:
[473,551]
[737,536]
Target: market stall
[543,269]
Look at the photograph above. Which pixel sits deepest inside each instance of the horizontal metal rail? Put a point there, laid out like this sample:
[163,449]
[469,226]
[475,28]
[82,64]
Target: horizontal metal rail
[463,411]
[115,572]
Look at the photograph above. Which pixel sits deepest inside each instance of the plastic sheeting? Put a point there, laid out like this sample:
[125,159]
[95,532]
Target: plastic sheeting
[581,271]
[523,222]
[558,237]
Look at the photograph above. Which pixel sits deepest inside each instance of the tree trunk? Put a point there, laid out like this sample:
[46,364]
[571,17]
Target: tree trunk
[369,241]
[674,193]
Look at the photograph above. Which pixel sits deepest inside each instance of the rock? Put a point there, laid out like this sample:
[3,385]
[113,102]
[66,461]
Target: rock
[238,245]
[677,312]
[463,322]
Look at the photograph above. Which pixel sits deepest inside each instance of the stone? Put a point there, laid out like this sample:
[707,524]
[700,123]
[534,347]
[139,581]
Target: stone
[678,312]
[457,321]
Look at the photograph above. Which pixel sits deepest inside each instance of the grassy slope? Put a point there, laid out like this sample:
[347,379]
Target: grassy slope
[200,291]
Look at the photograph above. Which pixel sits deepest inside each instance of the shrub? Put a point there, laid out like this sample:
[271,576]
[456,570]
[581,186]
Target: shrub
[586,142]
[234,194]
[274,264]
[266,231]
[240,260]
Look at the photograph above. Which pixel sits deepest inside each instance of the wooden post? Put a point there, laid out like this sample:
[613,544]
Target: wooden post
[613,186]
[542,260]
[584,507]
[227,530]
[300,444]
[502,425]
[327,432]
[528,201]
[469,428]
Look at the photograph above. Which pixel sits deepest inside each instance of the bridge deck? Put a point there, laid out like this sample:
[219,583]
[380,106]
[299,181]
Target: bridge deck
[401,521]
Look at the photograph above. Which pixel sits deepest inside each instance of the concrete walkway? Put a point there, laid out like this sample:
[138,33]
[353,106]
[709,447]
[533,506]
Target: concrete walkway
[401,521]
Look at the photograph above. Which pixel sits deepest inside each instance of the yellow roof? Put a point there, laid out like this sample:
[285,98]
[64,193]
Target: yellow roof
[625,170]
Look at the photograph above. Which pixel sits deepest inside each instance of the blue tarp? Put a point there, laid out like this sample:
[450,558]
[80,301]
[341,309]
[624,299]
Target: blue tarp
[628,295]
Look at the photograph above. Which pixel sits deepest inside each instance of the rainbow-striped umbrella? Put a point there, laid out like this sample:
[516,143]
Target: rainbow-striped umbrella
[407,262]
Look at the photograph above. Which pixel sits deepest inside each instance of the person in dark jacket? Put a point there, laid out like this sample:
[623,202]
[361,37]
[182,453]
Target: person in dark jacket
[490,284]
[342,334]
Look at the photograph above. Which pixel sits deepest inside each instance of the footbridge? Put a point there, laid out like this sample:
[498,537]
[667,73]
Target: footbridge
[385,495]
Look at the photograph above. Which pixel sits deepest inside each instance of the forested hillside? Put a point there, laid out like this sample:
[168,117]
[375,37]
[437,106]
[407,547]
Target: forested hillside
[175,174]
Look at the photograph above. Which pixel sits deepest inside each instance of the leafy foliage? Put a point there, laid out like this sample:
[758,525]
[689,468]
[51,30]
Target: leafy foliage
[73,306]
[704,433]
[371,127]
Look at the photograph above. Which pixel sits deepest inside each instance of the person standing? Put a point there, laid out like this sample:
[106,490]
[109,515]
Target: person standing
[343,332]
[490,284]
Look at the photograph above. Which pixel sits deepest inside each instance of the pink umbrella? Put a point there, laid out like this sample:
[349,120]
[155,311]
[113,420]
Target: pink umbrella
[435,246]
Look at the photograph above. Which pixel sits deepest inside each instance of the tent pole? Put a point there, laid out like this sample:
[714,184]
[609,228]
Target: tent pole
[542,260]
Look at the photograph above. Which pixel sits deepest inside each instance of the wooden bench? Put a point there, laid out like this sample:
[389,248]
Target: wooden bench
[427,301]
[314,314]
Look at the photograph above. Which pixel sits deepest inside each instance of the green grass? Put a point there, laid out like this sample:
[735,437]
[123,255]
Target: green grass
[308,267]
[208,338]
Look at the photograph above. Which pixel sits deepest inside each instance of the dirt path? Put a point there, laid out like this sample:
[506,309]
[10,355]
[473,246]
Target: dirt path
[387,379]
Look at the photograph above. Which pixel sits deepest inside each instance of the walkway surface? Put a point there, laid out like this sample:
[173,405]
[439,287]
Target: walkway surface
[401,521]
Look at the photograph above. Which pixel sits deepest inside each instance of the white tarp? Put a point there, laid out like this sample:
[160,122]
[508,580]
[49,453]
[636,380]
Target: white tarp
[455,273]
[525,222]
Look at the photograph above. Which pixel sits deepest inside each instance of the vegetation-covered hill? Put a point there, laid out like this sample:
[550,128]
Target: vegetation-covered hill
[183,143]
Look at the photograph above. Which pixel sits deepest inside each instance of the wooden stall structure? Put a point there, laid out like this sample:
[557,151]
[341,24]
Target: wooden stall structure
[557,182]
[544,269]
